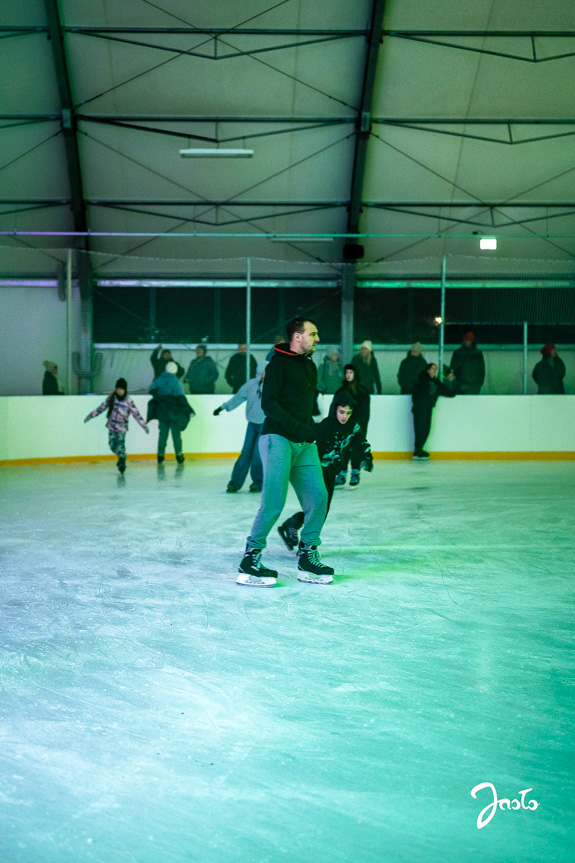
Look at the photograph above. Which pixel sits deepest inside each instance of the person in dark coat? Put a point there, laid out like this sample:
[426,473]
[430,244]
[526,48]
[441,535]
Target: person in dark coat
[366,365]
[468,366]
[549,372]
[410,368]
[202,372]
[160,359]
[425,394]
[50,381]
[334,435]
[170,407]
[235,373]
[353,385]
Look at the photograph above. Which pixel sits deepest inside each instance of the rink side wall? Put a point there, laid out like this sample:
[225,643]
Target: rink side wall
[51,428]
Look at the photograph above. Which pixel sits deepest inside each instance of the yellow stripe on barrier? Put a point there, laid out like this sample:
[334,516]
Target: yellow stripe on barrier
[548,455]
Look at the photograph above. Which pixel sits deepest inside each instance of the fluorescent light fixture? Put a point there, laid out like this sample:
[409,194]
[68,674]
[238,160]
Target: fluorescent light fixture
[300,239]
[215,153]
[488,244]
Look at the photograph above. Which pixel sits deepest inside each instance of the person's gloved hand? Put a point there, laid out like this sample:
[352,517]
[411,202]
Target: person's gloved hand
[367,463]
[147,430]
[217,412]
[87,419]
[311,435]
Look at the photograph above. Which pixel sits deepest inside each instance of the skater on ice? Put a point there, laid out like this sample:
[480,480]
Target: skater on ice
[427,390]
[170,407]
[353,386]
[289,454]
[335,434]
[249,458]
[119,406]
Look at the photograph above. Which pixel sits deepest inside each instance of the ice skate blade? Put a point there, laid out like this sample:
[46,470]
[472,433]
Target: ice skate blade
[255,580]
[309,578]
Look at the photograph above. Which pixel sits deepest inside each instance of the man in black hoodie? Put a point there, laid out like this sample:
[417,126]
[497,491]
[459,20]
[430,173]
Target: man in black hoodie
[289,454]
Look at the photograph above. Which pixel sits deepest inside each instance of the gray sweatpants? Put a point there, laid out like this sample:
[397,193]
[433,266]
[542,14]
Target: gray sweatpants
[284,462]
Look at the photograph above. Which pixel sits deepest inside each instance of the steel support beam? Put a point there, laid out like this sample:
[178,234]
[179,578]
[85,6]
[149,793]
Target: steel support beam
[363,130]
[70,141]
[68,120]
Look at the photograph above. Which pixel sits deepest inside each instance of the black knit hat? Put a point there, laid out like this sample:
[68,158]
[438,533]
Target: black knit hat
[121,384]
[351,366]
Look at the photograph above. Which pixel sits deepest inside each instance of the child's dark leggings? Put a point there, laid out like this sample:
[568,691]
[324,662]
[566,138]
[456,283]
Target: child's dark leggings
[296,520]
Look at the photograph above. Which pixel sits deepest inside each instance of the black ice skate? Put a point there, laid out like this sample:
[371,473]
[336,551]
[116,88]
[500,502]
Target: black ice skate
[252,573]
[310,567]
[180,457]
[341,478]
[289,536]
[354,478]
[121,465]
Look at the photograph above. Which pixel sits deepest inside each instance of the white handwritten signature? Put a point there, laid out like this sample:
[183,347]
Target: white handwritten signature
[488,812]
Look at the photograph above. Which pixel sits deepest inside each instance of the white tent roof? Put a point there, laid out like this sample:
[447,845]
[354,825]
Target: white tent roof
[471,129]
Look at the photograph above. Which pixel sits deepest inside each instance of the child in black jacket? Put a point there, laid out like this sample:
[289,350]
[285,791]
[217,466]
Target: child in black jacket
[334,435]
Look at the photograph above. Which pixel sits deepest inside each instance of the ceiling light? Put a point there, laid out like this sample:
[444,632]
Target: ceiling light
[215,153]
[488,244]
[290,239]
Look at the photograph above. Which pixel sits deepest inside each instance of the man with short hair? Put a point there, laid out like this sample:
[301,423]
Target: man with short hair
[160,358]
[236,371]
[289,454]
[202,372]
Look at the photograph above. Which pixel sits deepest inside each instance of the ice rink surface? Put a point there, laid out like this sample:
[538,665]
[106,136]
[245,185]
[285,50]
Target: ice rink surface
[151,711]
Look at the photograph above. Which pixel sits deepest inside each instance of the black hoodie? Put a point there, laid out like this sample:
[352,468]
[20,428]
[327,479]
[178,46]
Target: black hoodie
[334,437]
[288,395]
[427,390]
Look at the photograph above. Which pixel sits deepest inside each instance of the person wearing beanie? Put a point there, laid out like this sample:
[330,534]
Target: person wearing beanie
[249,458]
[289,455]
[170,407]
[549,372]
[160,358]
[235,373]
[352,385]
[50,381]
[410,368]
[335,435]
[119,406]
[425,394]
[202,372]
[330,372]
[366,365]
[468,366]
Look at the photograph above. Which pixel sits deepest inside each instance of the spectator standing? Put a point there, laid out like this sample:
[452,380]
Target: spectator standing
[170,407]
[50,381]
[468,366]
[160,359]
[278,340]
[549,372]
[366,365]
[410,369]
[330,372]
[202,372]
[249,459]
[425,394]
[236,371]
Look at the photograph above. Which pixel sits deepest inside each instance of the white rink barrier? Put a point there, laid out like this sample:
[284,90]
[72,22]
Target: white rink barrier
[51,428]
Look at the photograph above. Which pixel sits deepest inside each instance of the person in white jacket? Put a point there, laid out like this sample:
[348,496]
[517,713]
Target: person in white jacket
[249,459]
